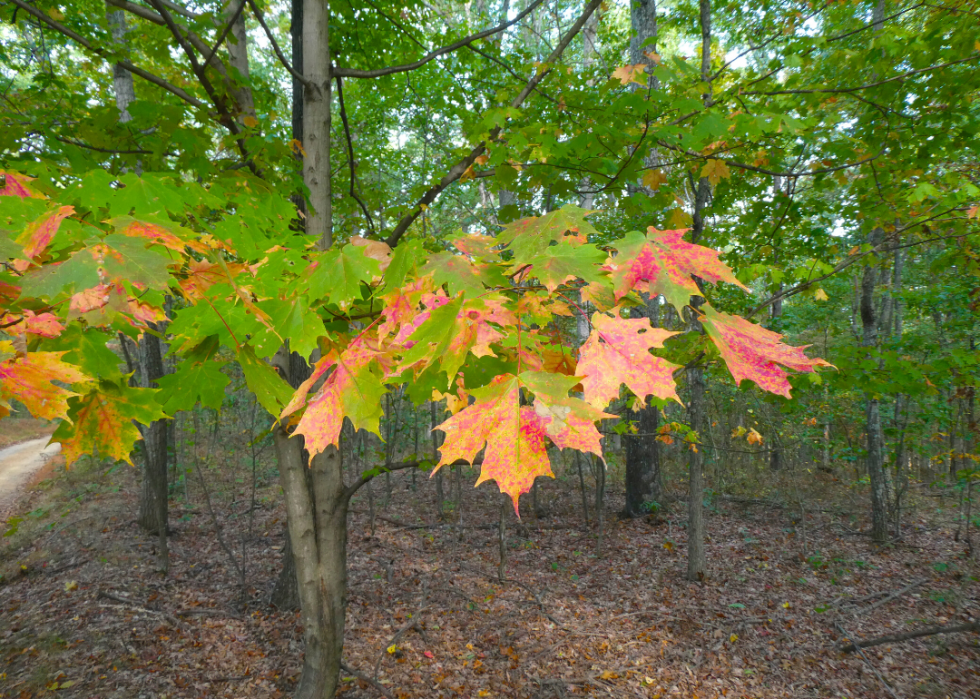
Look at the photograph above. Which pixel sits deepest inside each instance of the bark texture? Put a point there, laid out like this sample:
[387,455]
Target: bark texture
[875,458]
[317,119]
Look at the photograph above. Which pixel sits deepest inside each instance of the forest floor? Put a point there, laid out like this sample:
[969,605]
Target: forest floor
[83,612]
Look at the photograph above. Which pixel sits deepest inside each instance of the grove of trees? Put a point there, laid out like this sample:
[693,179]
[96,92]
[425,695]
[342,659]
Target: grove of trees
[737,240]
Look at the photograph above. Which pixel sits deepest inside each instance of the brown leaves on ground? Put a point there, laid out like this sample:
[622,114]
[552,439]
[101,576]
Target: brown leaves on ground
[427,609]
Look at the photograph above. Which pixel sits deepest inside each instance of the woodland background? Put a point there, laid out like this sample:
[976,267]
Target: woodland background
[829,150]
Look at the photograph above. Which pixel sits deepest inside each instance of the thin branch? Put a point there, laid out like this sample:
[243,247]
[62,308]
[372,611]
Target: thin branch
[151,16]
[350,151]
[275,46]
[845,90]
[899,637]
[365,479]
[883,248]
[457,170]
[390,70]
[225,32]
[102,53]
[763,171]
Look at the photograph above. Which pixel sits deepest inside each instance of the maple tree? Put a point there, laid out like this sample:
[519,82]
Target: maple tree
[477,311]
[182,193]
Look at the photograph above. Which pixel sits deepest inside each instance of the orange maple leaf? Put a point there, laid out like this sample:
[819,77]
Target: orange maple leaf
[514,437]
[30,379]
[38,234]
[617,352]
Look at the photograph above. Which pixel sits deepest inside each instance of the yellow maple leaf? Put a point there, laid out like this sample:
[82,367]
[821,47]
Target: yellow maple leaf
[679,219]
[250,121]
[715,171]
[653,179]
[753,437]
[820,295]
[973,211]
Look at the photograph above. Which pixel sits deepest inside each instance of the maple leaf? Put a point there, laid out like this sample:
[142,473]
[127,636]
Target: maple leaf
[475,245]
[351,390]
[715,171]
[155,233]
[568,422]
[617,352]
[15,185]
[454,401]
[38,234]
[43,325]
[453,330]
[662,262]
[30,379]
[337,275]
[653,179]
[530,237]
[563,262]
[630,74]
[753,437]
[752,352]
[202,275]
[514,437]
[102,421]
[458,273]
[374,249]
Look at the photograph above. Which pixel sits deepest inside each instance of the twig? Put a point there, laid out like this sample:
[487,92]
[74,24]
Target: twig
[364,678]
[865,657]
[892,596]
[900,637]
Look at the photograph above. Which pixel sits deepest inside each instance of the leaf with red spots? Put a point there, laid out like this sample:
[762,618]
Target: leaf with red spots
[618,352]
[30,379]
[102,421]
[154,233]
[662,262]
[37,236]
[15,185]
[352,390]
[514,437]
[42,325]
[752,352]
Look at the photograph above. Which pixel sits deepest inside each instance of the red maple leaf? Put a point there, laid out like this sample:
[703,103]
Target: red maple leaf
[618,352]
[752,352]
[662,262]
[15,185]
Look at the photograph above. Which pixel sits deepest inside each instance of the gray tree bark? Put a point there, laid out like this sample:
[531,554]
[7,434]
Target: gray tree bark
[875,439]
[122,79]
[317,119]
[696,558]
[237,43]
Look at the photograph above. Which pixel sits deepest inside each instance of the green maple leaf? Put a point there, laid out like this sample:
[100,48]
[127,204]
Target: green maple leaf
[77,273]
[191,383]
[457,272]
[86,348]
[563,262]
[294,321]
[130,260]
[530,237]
[339,274]
[403,262]
[270,390]
[147,194]
[433,338]
[102,421]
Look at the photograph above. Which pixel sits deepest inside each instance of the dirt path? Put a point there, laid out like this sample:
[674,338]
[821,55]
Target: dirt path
[18,463]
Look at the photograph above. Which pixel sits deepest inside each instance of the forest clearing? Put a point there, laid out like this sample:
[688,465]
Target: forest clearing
[518,348]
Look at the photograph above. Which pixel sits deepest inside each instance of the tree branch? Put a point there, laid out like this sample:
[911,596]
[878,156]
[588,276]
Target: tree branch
[390,70]
[151,16]
[845,90]
[364,480]
[899,637]
[457,170]
[350,150]
[224,33]
[275,47]
[102,53]
[843,264]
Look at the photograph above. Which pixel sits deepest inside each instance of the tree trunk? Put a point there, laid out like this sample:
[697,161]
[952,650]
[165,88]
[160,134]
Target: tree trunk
[152,516]
[122,79]
[318,534]
[317,119]
[644,479]
[875,440]
[238,59]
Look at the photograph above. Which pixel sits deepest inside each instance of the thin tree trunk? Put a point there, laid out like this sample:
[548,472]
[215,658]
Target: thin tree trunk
[875,438]
[237,44]
[696,559]
[153,516]
[317,119]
